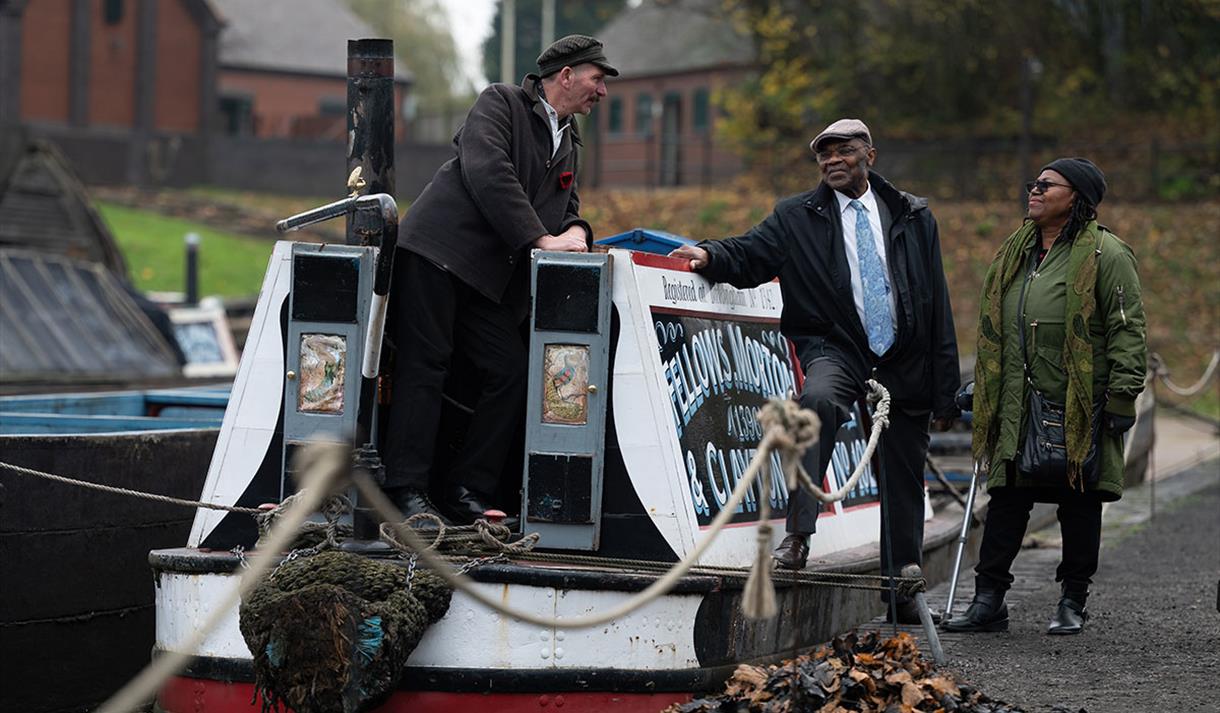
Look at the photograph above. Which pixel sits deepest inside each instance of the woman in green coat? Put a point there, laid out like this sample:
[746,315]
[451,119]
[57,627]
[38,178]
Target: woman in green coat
[1063,297]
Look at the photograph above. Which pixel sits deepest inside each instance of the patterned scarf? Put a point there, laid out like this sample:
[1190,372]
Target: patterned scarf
[1077,349]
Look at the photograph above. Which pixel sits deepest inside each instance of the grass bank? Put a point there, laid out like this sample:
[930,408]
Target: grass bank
[230,265]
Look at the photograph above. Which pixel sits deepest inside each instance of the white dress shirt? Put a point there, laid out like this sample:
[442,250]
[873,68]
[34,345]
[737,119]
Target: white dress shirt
[847,216]
[556,129]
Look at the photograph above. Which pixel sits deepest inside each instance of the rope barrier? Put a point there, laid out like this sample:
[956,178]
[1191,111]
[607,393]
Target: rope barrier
[1159,368]
[127,491]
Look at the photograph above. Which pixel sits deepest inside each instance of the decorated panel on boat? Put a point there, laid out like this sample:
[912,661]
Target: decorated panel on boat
[693,364]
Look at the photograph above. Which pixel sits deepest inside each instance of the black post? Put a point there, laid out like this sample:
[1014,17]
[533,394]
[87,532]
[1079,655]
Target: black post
[191,295]
[370,118]
[370,128]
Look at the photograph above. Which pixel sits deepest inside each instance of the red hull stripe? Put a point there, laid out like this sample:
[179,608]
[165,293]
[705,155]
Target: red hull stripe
[653,260]
[196,695]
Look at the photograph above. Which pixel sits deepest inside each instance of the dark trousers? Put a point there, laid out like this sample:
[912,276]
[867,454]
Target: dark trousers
[435,312]
[1007,517]
[830,391]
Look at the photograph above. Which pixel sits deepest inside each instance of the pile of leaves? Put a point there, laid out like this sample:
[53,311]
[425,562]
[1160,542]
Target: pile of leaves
[856,672]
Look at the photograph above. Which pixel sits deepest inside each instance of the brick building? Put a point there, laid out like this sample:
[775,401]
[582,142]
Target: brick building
[283,68]
[657,127]
[127,77]
[242,93]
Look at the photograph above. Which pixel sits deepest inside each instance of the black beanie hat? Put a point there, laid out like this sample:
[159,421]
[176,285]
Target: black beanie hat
[1083,174]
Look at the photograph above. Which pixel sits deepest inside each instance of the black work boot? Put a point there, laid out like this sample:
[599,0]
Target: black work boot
[1070,616]
[987,612]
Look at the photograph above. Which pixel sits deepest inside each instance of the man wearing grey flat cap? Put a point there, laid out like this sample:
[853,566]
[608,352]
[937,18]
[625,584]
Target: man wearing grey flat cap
[461,281]
[864,293]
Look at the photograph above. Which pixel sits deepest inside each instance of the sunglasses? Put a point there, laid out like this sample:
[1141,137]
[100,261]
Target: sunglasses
[1041,186]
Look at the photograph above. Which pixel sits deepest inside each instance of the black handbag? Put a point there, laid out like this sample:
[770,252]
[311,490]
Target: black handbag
[1043,455]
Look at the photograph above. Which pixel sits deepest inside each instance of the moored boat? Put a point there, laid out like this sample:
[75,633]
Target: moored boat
[77,598]
[686,365]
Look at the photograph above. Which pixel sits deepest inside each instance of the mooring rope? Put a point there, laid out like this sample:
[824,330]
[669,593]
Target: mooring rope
[877,394]
[127,491]
[788,428]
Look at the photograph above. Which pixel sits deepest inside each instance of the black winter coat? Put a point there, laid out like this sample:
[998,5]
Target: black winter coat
[503,190]
[801,242]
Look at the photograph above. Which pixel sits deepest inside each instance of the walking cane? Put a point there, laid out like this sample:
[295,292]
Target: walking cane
[961,542]
[965,402]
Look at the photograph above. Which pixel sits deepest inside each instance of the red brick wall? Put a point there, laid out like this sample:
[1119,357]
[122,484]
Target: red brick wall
[112,67]
[287,105]
[279,99]
[179,53]
[633,158]
[45,29]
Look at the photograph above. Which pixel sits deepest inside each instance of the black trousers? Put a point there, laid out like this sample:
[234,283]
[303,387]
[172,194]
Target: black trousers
[830,391]
[435,313]
[1007,517]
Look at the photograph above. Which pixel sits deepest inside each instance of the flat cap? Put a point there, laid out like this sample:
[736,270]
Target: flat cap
[573,50]
[843,129]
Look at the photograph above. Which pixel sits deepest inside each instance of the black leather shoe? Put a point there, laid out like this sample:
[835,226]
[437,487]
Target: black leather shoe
[987,612]
[793,551]
[462,505]
[412,502]
[1070,617]
[908,613]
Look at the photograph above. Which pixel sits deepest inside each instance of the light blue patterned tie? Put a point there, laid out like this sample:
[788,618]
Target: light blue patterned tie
[878,320]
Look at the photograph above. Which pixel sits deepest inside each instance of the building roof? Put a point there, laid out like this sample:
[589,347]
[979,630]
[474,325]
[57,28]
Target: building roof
[45,208]
[69,321]
[306,36]
[676,36]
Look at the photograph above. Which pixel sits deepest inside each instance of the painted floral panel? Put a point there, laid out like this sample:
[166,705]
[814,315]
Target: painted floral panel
[565,384]
[323,370]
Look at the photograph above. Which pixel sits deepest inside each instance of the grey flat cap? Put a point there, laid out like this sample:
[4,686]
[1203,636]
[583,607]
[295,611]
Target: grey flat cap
[573,50]
[843,129]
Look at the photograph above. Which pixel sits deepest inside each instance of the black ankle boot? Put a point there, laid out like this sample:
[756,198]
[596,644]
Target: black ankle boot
[1070,615]
[987,612]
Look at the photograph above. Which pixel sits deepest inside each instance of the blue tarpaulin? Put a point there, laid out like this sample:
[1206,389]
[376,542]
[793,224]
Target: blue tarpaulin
[646,240]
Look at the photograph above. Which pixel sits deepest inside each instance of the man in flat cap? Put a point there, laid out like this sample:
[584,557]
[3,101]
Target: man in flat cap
[864,297]
[461,278]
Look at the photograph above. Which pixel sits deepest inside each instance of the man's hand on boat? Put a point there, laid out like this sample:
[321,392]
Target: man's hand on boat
[697,256]
[572,240]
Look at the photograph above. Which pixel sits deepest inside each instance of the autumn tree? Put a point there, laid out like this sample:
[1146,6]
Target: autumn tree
[423,40]
[924,68]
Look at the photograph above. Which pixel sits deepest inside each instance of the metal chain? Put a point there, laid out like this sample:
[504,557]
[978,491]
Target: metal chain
[480,561]
[411,563]
[126,491]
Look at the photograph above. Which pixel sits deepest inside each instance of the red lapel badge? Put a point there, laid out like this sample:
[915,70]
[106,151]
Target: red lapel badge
[565,180]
